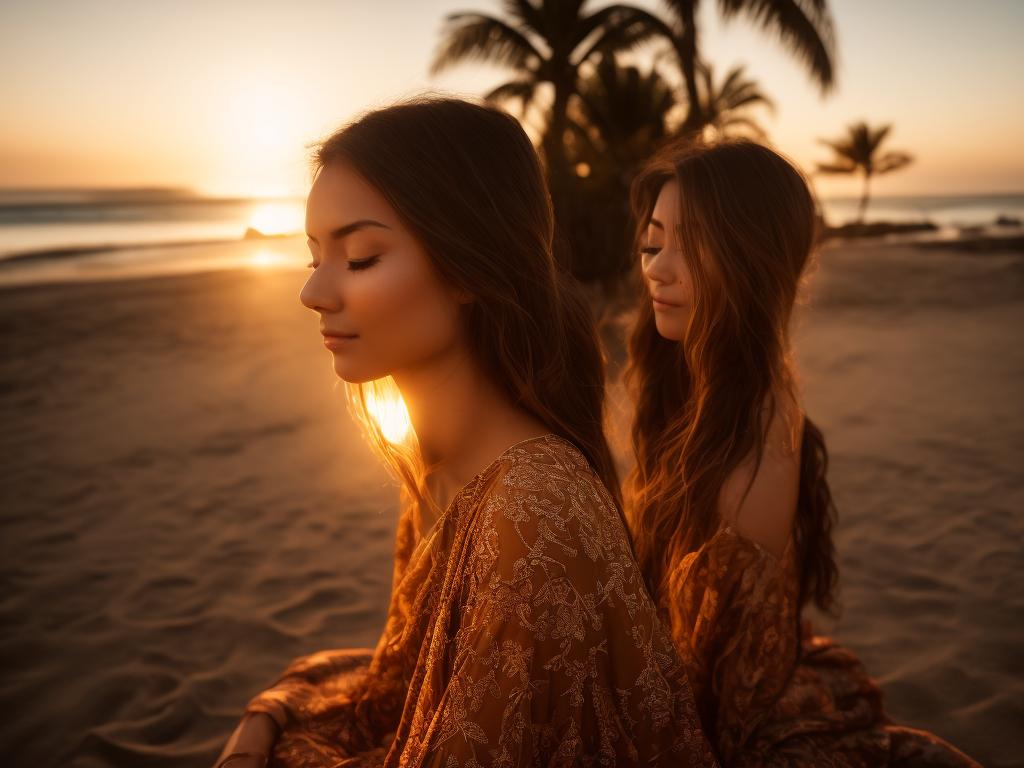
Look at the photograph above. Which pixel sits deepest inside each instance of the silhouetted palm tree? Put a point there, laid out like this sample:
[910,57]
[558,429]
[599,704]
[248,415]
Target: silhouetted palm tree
[858,152]
[723,105]
[803,26]
[620,115]
[545,42]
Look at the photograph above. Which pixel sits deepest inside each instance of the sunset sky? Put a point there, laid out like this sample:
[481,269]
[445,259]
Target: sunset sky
[222,96]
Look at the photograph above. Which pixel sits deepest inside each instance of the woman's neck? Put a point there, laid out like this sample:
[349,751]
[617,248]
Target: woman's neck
[462,421]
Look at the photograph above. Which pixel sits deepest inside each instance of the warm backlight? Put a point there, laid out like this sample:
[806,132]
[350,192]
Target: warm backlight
[276,218]
[390,413]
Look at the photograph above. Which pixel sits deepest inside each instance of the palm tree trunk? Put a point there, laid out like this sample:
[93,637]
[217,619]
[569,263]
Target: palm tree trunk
[554,136]
[864,199]
[687,52]
[556,163]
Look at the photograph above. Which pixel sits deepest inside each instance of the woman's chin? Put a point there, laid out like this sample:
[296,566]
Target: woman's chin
[669,330]
[351,373]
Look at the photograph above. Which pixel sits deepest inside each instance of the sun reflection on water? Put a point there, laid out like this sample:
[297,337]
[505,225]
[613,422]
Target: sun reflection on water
[267,259]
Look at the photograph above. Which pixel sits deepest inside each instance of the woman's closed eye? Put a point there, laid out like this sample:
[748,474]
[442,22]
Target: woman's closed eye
[354,265]
[650,250]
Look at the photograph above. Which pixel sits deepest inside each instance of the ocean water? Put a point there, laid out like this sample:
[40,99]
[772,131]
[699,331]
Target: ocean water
[71,234]
[945,211]
[56,223]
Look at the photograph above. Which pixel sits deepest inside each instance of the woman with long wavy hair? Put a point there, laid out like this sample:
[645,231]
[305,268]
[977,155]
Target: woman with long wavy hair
[519,630]
[729,502]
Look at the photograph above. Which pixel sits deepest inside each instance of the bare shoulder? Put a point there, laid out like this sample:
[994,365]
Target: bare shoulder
[765,514]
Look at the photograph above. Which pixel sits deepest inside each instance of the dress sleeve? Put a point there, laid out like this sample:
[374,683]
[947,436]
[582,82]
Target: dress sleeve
[558,657]
[733,617]
[315,703]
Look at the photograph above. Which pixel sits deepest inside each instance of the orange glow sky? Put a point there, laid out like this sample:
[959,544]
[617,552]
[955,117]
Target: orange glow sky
[222,96]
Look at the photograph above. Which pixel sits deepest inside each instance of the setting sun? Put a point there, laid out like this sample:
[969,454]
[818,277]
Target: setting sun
[276,218]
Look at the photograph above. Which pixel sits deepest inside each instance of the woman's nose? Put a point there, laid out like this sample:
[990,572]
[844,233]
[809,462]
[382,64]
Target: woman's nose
[656,268]
[319,293]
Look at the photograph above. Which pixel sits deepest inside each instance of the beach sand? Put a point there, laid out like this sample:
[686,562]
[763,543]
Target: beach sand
[186,504]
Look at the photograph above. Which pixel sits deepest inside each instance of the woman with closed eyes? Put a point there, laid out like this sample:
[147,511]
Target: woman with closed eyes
[729,502]
[519,631]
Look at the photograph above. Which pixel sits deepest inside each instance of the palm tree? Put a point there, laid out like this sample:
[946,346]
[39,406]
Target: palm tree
[544,42]
[617,118]
[620,114]
[858,151]
[722,105]
[803,26]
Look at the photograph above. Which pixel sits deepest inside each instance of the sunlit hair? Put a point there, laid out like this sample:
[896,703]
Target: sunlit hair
[747,230]
[468,184]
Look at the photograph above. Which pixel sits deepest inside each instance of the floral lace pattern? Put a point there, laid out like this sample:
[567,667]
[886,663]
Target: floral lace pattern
[769,692]
[519,634]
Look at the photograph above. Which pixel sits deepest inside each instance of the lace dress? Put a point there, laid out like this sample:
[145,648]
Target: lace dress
[768,691]
[519,633]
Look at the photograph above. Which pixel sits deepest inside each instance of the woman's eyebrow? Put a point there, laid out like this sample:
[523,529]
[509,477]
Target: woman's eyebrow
[655,223]
[339,232]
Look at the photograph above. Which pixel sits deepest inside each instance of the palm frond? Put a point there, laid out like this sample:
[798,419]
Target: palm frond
[737,102]
[804,27]
[741,120]
[525,13]
[721,104]
[892,161]
[734,79]
[522,91]
[836,168]
[625,28]
[876,137]
[476,36]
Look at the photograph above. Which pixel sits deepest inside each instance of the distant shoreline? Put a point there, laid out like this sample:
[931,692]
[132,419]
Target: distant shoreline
[73,251]
[289,252]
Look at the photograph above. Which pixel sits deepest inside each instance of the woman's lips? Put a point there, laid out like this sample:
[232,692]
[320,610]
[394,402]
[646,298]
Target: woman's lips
[661,304]
[336,341]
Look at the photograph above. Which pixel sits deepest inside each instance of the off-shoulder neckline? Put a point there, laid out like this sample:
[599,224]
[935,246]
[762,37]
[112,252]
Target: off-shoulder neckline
[728,529]
[472,484]
[729,532]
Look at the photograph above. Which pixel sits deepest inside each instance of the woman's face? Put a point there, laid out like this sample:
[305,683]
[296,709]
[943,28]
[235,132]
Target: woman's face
[665,272]
[383,308]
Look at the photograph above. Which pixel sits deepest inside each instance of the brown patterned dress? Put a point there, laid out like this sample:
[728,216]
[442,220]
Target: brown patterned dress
[769,692]
[519,633]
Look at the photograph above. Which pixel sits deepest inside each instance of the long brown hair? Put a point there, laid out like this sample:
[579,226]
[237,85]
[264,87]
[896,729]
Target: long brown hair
[468,183]
[747,229]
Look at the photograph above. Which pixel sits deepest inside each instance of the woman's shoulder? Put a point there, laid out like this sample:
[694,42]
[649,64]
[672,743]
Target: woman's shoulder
[545,500]
[759,499]
[545,460]
[547,449]
[552,475]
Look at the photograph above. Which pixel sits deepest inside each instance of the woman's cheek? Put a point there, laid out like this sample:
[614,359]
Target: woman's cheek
[386,305]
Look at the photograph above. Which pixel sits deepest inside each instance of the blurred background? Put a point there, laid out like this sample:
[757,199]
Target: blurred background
[186,504]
